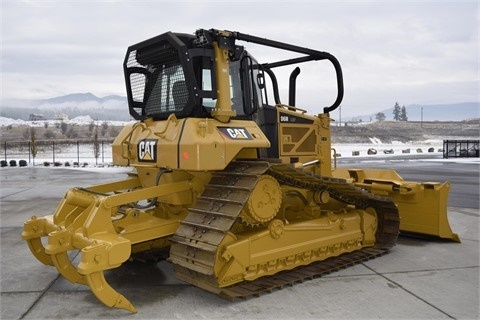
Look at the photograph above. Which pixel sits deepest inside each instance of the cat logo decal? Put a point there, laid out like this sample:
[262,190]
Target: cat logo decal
[236,133]
[147,150]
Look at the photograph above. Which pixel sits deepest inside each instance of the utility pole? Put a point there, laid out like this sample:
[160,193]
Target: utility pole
[340,115]
[421,118]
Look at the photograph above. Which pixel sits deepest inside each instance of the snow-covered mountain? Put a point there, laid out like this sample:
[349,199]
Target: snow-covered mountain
[115,107]
[82,97]
[77,121]
[78,104]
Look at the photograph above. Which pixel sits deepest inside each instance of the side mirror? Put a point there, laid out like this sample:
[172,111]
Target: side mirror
[261,80]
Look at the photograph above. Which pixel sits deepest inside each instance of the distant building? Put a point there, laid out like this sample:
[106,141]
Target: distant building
[60,116]
[36,117]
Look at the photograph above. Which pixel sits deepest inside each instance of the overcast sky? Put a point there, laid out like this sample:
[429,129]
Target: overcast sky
[413,52]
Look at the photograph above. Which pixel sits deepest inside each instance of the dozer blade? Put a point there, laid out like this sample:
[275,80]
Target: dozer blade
[422,205]
[425,212]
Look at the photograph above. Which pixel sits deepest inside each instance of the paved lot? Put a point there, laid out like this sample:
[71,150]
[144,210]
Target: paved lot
[417,280]
[463,174]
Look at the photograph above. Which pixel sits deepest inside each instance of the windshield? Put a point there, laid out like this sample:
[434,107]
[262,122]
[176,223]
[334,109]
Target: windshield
[166,90]
[164,75]
[157,82]
[235,87]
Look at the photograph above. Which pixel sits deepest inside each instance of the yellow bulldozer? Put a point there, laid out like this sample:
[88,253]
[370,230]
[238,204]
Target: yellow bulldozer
[240,193]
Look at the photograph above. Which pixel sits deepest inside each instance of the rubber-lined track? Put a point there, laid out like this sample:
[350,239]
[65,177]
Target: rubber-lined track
[217,208]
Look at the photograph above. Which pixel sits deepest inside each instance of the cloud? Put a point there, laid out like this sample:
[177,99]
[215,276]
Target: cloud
[418,51]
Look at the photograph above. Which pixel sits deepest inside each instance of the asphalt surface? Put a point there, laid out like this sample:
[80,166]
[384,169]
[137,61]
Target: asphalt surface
[464,177]
[418,279]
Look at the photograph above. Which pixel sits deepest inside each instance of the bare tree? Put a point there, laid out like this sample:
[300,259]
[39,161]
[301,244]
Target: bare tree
[27,133]
[63,127]
[91,126]
[96,145]
[33,143]
[49,134]
[104,128]
[380,116]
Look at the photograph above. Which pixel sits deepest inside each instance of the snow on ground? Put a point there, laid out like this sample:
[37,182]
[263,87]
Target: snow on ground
[390,149]
[414,150]
[375,140]
[84,154]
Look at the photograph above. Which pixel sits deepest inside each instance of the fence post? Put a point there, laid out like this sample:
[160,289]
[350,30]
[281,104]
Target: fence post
[29,150]
[78,152]
[53,145]
[5,151]
[103,159]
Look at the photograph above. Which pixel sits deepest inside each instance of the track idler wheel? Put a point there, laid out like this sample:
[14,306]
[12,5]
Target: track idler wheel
[264,201]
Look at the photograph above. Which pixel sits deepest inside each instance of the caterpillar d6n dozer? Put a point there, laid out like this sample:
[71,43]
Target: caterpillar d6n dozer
[238,192]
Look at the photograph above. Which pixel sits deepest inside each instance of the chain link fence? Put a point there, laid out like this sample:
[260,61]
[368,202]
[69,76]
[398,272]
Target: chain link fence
[56,152]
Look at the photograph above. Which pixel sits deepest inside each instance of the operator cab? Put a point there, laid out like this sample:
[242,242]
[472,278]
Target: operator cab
[175,73]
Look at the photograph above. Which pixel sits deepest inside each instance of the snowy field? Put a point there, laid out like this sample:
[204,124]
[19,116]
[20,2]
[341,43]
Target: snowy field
[80,120]
[84,152]
[391,149]
[83,155]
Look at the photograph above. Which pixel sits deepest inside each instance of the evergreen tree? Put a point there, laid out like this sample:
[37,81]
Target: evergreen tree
[397,112]
[403,114]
